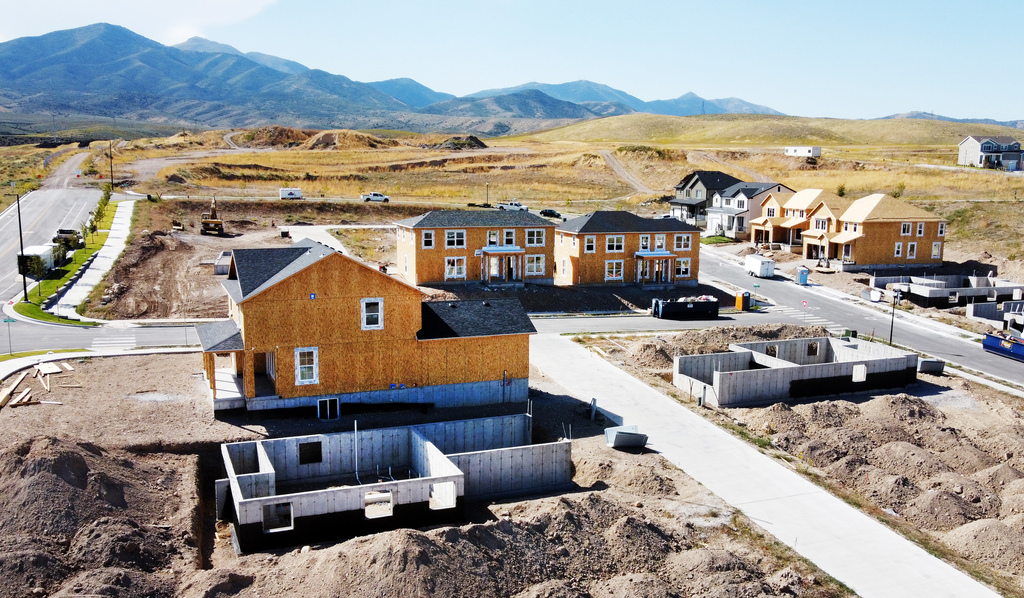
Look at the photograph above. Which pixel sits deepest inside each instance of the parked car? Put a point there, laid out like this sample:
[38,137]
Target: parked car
[513,205]
[374,196]
[664,217]
[549,213]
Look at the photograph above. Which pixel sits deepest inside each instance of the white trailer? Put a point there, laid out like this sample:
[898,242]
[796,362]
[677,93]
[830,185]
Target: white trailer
[804,151]
[43,252]
[759,266]
[290,193]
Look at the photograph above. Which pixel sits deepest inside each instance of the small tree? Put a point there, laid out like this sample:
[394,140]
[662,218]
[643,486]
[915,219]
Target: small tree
[841,190]
[37,270]
[898,191]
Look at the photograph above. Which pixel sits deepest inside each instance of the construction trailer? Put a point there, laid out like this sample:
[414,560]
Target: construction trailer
[288,491]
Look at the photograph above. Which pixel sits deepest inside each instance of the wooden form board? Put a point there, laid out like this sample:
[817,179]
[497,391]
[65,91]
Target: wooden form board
[8,392]
[48,368]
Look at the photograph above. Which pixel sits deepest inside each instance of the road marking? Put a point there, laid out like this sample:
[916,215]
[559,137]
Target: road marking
[114,342]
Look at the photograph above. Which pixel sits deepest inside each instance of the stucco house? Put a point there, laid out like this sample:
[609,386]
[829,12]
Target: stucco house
[733,208]
[694,192]
[311,328]
[490,246]
[616,247]
[990,152]
[880,231]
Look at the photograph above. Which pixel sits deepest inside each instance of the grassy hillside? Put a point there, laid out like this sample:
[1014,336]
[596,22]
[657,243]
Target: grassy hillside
[755,129]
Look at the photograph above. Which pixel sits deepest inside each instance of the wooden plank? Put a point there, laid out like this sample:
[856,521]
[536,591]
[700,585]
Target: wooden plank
[67,366]
[5,397]
[21,397]
[48,368]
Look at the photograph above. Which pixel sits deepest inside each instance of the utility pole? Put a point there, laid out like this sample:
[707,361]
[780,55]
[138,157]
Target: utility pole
[892,322]
[110,146]
[21,242]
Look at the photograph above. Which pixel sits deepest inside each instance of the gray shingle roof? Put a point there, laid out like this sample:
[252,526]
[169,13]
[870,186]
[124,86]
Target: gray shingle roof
[713,180]
[1000,139]
[258,269]
[472,218]
[220,336]
[747,189]
[491,317]
[624,222]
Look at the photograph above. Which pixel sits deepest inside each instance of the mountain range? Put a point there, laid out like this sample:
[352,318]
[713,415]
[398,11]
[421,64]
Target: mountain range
[109,71]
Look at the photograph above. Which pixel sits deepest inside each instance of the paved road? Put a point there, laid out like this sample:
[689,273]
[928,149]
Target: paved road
[825,308]
[598,324]
[852,547]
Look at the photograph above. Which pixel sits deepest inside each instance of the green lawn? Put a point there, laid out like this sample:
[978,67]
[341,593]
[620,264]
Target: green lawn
[716,240]
[43,352]
[57,277]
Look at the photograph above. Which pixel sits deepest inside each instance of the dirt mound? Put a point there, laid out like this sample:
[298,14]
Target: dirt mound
[966,459]
[346,139]
[718,339]
[997,476]
[937,510]
[903,458]
[640,585]
[121,299]
[121,542]
[776,418]
[903,408]
[651,353]
[274,136]
[989,541]
[980,501]
[827,414]
[118,583]
[1012,497]
[460,142]
[887,490]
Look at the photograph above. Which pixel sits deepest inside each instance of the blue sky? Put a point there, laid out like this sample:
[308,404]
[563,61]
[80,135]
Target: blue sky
[861,59]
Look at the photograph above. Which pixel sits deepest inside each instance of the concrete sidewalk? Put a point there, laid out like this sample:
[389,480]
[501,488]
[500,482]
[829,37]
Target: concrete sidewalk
[873,560]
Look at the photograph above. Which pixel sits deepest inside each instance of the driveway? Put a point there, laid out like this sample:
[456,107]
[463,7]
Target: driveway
[873,560]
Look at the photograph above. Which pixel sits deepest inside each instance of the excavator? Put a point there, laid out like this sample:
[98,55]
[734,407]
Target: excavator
[210,222]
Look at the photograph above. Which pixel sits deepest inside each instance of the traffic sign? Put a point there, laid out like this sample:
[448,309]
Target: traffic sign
[9,320]
[805,304]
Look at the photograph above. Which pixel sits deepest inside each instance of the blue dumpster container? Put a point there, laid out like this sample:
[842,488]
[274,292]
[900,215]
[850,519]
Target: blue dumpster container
[801,275]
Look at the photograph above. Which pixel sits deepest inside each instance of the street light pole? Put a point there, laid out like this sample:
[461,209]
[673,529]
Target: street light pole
[892,322]
[21,242]
[488,200]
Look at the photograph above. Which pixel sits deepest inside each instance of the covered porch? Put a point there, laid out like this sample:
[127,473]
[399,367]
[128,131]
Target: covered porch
[655,268]
[247,376]
[502,264]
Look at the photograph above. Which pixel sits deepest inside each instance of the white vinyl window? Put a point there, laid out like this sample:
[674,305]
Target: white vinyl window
[428,239]
[905,229]
[372,313]
[911,251]
[920,229]
[899,250]
[645,242]
[821,224]
[535,237]
[659,242]
[510,236]
[741,205]
[455,239]
[454,267]
[406,263]
[613,270]
[492,238]
[683,267]
[589,244]
[614,243]
[936,250]
[771,212]
[307,366]
[535,265]
[942,229]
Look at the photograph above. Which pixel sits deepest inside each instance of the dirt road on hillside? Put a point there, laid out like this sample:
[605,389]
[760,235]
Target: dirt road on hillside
[624,174]
[756,177]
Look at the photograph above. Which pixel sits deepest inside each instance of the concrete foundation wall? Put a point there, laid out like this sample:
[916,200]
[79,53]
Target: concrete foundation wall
[519,469]
[993,313]
[466,394]
[789,352]
[479,434]
[703,367]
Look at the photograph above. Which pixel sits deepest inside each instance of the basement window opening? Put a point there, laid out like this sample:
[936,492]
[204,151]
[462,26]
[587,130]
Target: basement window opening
[277,517]
[327,409]
[378,504]
[310,452]
[812,349]
[772,351]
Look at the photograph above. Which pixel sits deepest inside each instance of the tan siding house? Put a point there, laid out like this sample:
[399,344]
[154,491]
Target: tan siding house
[881,231]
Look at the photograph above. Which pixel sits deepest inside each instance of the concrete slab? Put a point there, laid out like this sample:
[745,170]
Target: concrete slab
[873,560]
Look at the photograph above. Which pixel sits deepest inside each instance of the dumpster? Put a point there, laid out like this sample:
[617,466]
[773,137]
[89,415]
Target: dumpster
[743,300]
[801,275]
[685,308]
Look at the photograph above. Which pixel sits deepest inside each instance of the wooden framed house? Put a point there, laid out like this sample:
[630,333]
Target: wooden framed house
[880,231]
[767,228]
[615,248]
[489,246]
[825,224]
[309,327]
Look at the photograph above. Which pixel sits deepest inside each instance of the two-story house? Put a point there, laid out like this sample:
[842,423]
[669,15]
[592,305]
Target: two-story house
[490,246]
[796,211]
[311,328]
[990,152]
[824,220]
[694,192]
[767,228]
[880,231]
[734,207]
[615,247]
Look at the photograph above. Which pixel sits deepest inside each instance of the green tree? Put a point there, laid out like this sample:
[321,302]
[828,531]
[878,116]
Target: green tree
[898,191]
[841,190]
[37,270]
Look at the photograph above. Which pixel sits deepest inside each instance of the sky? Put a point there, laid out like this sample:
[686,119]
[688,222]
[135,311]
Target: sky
[832,58]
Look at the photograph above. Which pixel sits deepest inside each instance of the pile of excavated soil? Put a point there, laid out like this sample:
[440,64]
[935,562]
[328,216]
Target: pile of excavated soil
[79,519]
[346,139]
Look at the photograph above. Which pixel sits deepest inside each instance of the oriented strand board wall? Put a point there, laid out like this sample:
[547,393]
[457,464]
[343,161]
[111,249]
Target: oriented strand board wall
[428,265]
[878,245]
[589,268]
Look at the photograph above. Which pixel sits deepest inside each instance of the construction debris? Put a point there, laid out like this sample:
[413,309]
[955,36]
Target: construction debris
[5,396]
[48,368]
[67,366]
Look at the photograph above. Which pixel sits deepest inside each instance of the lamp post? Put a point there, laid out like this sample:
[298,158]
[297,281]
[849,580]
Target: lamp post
[21,242]
[892,322]
[488,200]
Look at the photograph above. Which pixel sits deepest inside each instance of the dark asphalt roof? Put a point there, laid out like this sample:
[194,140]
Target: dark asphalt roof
[220,336]
[1000,139]
[491,317]
[713,180]
[747,189]
[258,269]
[624,222]
[472,218]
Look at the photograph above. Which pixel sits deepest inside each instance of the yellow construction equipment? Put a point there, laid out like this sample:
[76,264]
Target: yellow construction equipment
[210,221]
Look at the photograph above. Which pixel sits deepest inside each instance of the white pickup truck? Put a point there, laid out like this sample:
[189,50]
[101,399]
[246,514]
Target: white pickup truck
[514,206]
[374,196]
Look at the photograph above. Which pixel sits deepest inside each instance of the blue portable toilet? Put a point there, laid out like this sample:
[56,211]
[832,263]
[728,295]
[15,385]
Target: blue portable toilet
[801,275]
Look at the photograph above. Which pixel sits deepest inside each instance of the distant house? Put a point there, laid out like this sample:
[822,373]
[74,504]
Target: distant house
[879,231]
[825,224]
[694,192]
[990,152]
[794,214]
[734,207]
[804,151]
[491,246]
[311,328]
[767,228]
[615,248]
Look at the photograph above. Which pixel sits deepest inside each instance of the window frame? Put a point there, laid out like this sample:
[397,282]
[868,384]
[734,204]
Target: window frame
[645,242]
[920,229]
[534,232]
[455,238]
[680,263]
[590,244]
[936,250]
[611,241]
[493,237]
[912,250]
[610,264]
[942,229]
[906,229]
[821,224]
[314,377]
[535,259]
[427,239]
[770,212]
[662,241]
[899,250]
[363,313]
[508,237]
[456,259]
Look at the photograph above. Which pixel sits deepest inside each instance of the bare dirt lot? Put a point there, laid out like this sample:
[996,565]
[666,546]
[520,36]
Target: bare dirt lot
[942,461]
[109,494]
